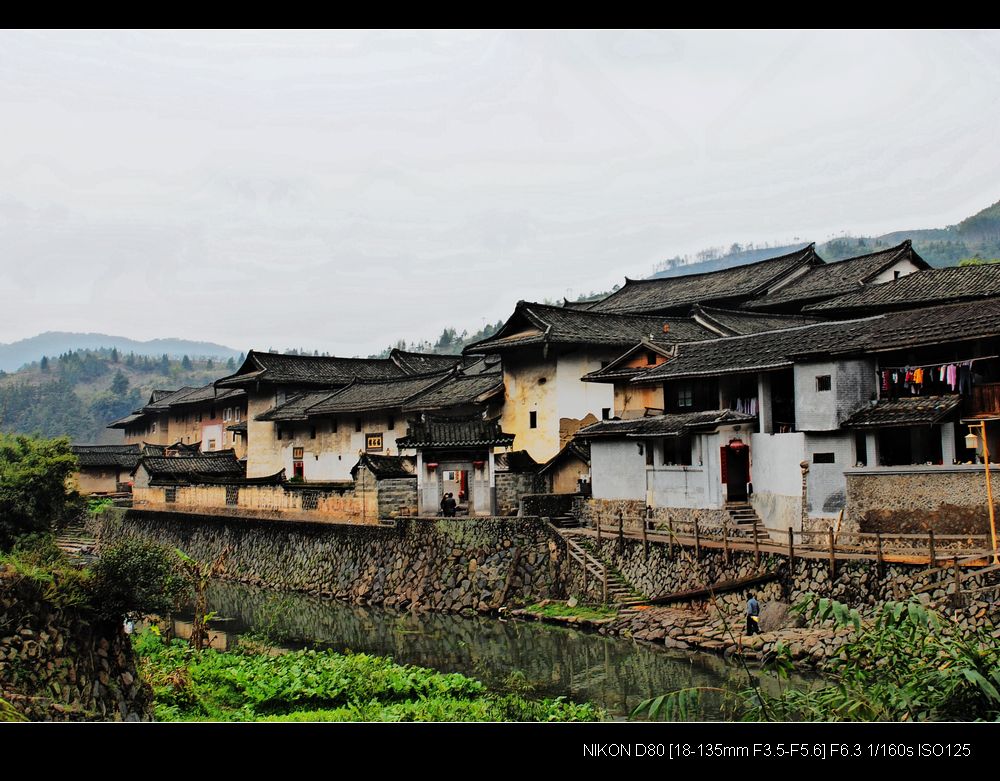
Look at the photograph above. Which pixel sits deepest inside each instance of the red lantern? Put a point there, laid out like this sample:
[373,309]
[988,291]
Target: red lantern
[432,465]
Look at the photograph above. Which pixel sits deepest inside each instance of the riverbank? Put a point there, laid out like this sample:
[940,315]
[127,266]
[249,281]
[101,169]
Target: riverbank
[259,683]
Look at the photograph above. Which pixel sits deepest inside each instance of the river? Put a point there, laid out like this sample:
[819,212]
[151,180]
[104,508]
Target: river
[612,672]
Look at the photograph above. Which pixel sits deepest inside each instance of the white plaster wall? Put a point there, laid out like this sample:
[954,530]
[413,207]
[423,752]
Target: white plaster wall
[774,463]
[827,485]
[904,267]
[576,399]
[618,469]
[263,450]
[679,486]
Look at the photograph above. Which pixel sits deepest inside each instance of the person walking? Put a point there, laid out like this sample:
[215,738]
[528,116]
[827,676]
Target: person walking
[753,616]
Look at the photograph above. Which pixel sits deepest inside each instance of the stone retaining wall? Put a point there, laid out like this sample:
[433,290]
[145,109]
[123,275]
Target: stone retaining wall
[632,512]
[61,664]
[441,564]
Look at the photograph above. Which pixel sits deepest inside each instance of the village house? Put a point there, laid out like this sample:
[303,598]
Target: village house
[271,379]
[204,416]
[783,420]
[105,469]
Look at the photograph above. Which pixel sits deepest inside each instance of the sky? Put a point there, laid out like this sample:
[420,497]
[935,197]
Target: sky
[340,191]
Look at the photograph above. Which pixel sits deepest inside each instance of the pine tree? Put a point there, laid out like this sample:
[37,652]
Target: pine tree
[210,364]
[114,355]
[44,363]
[165,364]
[186,363]
[231,363]
[119,385]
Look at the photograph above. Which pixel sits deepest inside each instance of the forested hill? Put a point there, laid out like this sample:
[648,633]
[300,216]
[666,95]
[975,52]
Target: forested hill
[16,354]
[77,394]
[976,237]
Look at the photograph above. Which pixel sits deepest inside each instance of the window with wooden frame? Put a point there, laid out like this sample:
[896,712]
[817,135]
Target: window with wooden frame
[373,441]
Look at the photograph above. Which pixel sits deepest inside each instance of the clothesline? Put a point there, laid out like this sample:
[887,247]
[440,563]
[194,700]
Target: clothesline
[934,365]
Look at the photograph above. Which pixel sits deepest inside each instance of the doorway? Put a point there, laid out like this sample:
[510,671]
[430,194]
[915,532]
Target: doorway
[736,470]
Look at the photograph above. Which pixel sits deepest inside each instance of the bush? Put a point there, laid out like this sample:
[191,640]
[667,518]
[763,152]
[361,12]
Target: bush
[34,496]
[136,578]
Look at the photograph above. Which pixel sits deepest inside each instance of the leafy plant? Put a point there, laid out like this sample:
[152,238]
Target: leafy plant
[135,578]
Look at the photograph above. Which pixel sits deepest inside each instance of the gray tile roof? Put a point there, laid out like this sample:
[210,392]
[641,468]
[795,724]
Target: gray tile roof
[738,322]
[202,468]
[123,456]
[661,425]
[833,279]
[368,396]
[386,467]
[945,324]
[127,421]
[904,411]
[435,432]
[424,363]
[575,448]
[536,324]
[515,461]
[295,407]
[284,369]
[936,286]
[457,391]
[674,294]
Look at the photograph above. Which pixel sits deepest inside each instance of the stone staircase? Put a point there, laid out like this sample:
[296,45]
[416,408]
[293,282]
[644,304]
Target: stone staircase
[565,522]
[77,543]
[743,517]
[620,591]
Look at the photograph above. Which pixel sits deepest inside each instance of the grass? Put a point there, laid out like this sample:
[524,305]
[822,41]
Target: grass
[313,685]
[562,610]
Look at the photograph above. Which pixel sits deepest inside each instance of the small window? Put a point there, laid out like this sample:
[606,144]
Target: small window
[357,424]
[170,494]
[542,380]
[227,413]
[606,413]
[277,432]
[685,395]
[298,453]
[650,358]
[312,433]
[212,414]
[532,419]
[649,454]
[238,414]
[823,382]
[896,274]
[298,470]
[391,425]
[823,458]
[373,442]
[860,448]
[333,426]
[211,444]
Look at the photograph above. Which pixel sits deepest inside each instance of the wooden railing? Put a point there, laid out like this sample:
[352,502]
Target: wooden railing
[592,567]
[985,399]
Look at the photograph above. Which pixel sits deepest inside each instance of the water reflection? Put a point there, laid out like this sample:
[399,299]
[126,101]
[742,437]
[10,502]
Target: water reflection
[612,672]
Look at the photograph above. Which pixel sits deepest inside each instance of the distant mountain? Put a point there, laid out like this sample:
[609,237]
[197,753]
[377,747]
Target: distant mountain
[51,343]
[977,236]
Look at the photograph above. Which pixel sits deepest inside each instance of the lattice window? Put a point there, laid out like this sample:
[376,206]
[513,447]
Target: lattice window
[310,500]
[232,495]
[170,494]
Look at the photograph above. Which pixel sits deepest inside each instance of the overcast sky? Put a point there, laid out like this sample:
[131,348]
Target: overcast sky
[340,191]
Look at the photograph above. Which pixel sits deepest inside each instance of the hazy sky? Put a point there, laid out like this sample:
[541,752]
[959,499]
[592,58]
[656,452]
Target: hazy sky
[339,191]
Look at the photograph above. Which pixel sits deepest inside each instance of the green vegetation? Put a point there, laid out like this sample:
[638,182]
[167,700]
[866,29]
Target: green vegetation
[907,663]
[78,393]
[324,686]
[33,492]
[137,578]
[550,609]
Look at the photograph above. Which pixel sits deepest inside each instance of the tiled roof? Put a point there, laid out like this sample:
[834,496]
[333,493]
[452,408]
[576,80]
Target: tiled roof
[241,426]
[905,411]
[124,456]
[575,448]
[618,369]
[178,448]
[540,324]
[295,407]
[280,368]
[454,432]
[737,322]
[834,279]
[128,420]
[424,363]
[363,396]
[945,324]
[458,391]
[515,461]
[192,469]
[667,294]
[662,425]
[205,394]
[386,467]
[923,287]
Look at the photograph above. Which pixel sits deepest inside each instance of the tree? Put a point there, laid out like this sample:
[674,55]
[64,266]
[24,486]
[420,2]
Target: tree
[135,578]
[186,364]
[44,363]
[34,497]
[242,358]
[231,364]
[119,385]
[114,355]
[165,364]
[210,364]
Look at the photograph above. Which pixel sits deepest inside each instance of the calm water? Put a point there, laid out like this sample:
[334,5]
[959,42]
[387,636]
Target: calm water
[614,673]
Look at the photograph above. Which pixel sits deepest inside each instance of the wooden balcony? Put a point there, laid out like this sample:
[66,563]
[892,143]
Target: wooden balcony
[985,399]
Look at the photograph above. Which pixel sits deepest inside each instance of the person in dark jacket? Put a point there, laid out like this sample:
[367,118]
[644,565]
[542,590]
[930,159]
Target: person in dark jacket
[753,616]
[448,505]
